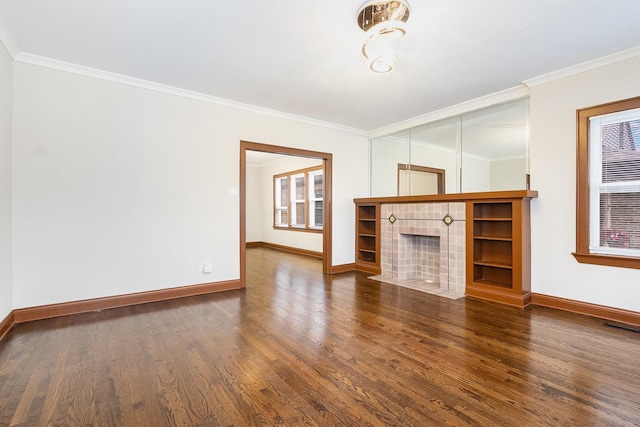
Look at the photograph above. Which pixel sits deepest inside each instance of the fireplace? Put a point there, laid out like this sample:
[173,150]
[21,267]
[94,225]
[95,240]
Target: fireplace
[423,244]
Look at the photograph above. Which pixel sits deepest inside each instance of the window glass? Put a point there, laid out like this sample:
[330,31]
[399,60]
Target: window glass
[281,198]
[298,199]
[317,186]
[316,191]
[614,143]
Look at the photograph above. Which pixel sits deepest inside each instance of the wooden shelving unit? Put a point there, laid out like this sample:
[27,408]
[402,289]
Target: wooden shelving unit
[368,237]
[498,235]
[498,251]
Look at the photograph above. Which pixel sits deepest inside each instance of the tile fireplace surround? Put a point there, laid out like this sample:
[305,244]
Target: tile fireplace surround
[418,246]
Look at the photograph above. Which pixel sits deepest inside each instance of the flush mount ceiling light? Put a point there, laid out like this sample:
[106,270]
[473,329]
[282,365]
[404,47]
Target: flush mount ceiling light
[384,23]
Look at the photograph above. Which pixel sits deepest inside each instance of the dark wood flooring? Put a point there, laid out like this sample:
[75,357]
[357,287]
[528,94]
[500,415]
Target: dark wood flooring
[296,348]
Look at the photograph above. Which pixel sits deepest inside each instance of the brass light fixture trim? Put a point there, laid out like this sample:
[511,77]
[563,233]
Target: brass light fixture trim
[374,12]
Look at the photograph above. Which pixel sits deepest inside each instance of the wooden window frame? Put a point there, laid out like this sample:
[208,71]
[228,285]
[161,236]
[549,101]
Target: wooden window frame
[440,173]
[582,253]
[305,172]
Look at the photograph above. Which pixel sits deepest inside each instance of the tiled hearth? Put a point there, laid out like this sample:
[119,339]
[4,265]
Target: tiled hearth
[420,250]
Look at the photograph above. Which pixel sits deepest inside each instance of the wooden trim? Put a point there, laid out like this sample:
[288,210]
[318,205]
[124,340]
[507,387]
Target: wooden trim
[368,267]
[22,315]
[298,172]
[516,300]
[440,174]
[243,215]
[7,324]
[299,229]
[588,309]
[582,253]
[607,260]
[290,249]
[344,268]
[254,244]
[327,231]
[327,236]
[458,197]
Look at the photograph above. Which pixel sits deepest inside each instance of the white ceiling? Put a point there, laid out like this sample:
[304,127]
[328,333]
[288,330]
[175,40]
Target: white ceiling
[303,57]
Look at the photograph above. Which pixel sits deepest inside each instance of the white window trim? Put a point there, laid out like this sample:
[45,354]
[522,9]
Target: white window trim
[313,199]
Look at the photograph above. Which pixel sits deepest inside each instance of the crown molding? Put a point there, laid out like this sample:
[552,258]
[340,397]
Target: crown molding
[585,66]
[508,95]
[27,58]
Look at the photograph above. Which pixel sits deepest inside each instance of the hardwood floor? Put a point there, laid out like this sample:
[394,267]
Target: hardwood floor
[299,348]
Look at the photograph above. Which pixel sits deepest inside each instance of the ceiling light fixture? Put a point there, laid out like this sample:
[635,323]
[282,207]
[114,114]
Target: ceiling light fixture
[384,23]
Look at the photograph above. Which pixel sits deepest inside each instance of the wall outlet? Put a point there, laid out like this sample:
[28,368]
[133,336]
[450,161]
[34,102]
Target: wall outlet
[206,268]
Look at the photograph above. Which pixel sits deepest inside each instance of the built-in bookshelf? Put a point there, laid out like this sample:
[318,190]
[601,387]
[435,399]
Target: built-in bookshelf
[498,251]
[368,237]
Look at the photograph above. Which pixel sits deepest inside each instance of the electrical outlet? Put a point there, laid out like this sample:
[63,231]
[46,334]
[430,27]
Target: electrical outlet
[206,268]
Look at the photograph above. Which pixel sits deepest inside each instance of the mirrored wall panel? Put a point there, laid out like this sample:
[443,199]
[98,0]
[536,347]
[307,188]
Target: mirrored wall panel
[483,150]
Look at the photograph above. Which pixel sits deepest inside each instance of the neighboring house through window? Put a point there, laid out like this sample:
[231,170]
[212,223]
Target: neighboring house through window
[298,199]
[608,199]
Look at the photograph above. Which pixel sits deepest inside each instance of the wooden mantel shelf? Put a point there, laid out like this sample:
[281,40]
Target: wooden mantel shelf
[455,197]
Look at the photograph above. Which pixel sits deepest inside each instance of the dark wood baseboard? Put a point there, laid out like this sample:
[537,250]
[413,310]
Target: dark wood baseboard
[368,267]
[484,293]
[21,315]
[343,268]
[6,325]
[335,269]
[284,248]
[603,312]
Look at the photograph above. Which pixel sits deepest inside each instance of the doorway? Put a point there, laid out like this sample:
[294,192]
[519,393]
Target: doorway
[327,164]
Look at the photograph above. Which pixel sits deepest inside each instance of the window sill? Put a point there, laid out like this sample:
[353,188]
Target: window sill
[304,230]
[608,260]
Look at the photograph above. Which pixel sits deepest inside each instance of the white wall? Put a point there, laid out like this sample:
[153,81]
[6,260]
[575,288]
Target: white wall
[508,174]
[120,189]
[295,239]
[553,173]
[6,287]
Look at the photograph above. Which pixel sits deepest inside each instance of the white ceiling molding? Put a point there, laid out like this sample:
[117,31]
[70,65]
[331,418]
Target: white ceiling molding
[512,94]
[585,66]
[7,40]
[55,64]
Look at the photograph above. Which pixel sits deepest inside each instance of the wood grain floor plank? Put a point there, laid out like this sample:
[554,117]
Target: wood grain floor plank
[296,348]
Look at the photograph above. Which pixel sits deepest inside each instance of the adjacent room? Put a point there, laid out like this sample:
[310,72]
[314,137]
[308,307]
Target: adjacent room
[338,213]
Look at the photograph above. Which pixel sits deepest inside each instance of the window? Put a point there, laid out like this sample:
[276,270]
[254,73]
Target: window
[298,199]
[281,201]
[608,199]
[316,191]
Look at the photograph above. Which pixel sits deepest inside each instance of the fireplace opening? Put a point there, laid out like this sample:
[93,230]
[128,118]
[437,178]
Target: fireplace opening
[419,258]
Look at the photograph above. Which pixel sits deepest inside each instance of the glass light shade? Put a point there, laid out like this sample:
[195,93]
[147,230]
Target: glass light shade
[384,24]
[381,37]
[383,64]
